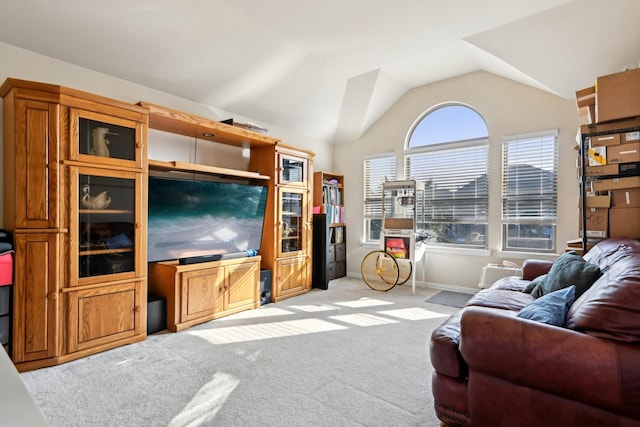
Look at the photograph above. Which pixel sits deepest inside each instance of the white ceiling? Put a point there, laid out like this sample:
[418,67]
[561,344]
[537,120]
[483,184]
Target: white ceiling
[327,69]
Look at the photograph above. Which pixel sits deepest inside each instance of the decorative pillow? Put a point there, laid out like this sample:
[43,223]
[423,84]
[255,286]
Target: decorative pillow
[535,282]
[569,269]
[550,308]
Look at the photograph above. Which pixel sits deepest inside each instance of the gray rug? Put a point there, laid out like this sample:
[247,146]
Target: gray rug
[347,356]
[452,299]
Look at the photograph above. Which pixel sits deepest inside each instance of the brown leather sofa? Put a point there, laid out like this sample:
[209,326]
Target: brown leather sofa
[492,368]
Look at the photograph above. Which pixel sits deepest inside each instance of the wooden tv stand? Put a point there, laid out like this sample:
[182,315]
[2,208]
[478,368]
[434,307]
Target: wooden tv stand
[197,293]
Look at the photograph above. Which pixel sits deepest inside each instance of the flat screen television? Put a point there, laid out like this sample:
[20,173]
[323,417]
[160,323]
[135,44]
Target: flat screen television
[191,220]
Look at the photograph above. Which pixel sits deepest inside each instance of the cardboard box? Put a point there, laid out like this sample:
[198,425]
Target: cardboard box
[624,222]
[597,222]
[617,96]
[604,170]
[615,183]
[626,198]
[586,97]
[6,268]
[624,153]
[596,201]
[604,140]
[586,102]
[587,114]
[626,137]
[629,169]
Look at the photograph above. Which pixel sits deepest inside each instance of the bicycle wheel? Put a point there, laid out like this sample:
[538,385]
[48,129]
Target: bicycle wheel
[380,270]
[405,268]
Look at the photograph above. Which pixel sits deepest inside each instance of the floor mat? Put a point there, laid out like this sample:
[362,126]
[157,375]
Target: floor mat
[453,299]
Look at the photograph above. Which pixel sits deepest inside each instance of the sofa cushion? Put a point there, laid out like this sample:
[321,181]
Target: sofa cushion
[611,308]
[569,269]
[550,308]
[503,299]
[443,348]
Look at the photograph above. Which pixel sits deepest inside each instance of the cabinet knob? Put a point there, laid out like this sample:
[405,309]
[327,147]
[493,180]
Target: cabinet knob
[139,145]
[137,309]
[52,295]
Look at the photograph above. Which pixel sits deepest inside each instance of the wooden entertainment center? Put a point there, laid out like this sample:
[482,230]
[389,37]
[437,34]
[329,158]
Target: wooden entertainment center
[75,198]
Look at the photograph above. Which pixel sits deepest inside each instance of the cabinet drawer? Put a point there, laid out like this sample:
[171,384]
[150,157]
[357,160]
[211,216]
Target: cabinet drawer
[200,292]
[332,270]
[104,314]
[341,269]
[341,252]
[331,253]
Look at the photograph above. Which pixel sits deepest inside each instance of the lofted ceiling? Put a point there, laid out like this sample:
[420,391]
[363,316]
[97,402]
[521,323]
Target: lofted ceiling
[327,69]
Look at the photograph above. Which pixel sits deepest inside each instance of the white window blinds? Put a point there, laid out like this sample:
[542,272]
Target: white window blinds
[376,170]
[529,180]
[530,191]
[456,184]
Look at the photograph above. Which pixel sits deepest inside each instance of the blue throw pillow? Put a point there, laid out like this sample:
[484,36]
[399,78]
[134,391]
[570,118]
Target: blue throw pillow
[550,308]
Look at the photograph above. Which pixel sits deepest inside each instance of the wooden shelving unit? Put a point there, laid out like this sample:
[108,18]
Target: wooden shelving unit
[329,229]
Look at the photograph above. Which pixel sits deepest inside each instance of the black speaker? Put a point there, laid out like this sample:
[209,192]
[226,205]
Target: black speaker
[265,287]
[156,314]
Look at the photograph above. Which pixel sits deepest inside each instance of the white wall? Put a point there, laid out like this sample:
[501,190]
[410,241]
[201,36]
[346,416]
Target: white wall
[22,64]
[508,108]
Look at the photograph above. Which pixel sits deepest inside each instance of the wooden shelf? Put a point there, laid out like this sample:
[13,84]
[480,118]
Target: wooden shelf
[105,211]
[159,165]
[168,120]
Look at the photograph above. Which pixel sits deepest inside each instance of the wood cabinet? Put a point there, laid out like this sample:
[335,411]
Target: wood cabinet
[329,230]
[75,176]
[197,293]
[287,236]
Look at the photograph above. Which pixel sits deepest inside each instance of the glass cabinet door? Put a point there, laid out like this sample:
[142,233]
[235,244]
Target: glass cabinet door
[106,139]
[105,224]
[293,170]
[292,221]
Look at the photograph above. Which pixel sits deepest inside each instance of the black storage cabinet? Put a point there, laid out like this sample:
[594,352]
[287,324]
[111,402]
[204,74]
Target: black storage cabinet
[329,252]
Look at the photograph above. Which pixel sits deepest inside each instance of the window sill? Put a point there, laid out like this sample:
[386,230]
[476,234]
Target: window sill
[457,251]
[528,255]
[439,249]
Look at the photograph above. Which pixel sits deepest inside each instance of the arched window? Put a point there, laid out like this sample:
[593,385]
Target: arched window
[448,149]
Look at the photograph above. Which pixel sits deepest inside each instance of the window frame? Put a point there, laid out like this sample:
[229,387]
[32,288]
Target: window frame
[551,219]
[367,198]
[482,147]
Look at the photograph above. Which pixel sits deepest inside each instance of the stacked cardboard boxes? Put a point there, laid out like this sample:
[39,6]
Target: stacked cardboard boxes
[610,147]
[612,201]
[613,97]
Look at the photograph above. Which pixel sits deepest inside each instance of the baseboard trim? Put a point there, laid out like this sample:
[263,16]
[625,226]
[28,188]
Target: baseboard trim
[438,286]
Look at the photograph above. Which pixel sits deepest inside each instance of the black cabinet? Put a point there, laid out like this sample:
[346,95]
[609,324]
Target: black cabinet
[329,251]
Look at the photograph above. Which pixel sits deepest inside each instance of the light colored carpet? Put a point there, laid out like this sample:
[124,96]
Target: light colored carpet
[347,356]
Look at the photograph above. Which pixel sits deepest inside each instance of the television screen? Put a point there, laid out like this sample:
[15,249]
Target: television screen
[190,218]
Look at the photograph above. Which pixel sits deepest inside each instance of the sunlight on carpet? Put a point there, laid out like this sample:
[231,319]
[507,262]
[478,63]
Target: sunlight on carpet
[364,302]
[242,333]
[415,313]
[363,319]
[204,406]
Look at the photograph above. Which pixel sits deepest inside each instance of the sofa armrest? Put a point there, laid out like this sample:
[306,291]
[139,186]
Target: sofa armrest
[533,268]
[563,362]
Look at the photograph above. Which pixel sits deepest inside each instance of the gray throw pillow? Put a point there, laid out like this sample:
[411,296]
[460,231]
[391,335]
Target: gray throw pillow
[569,269]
